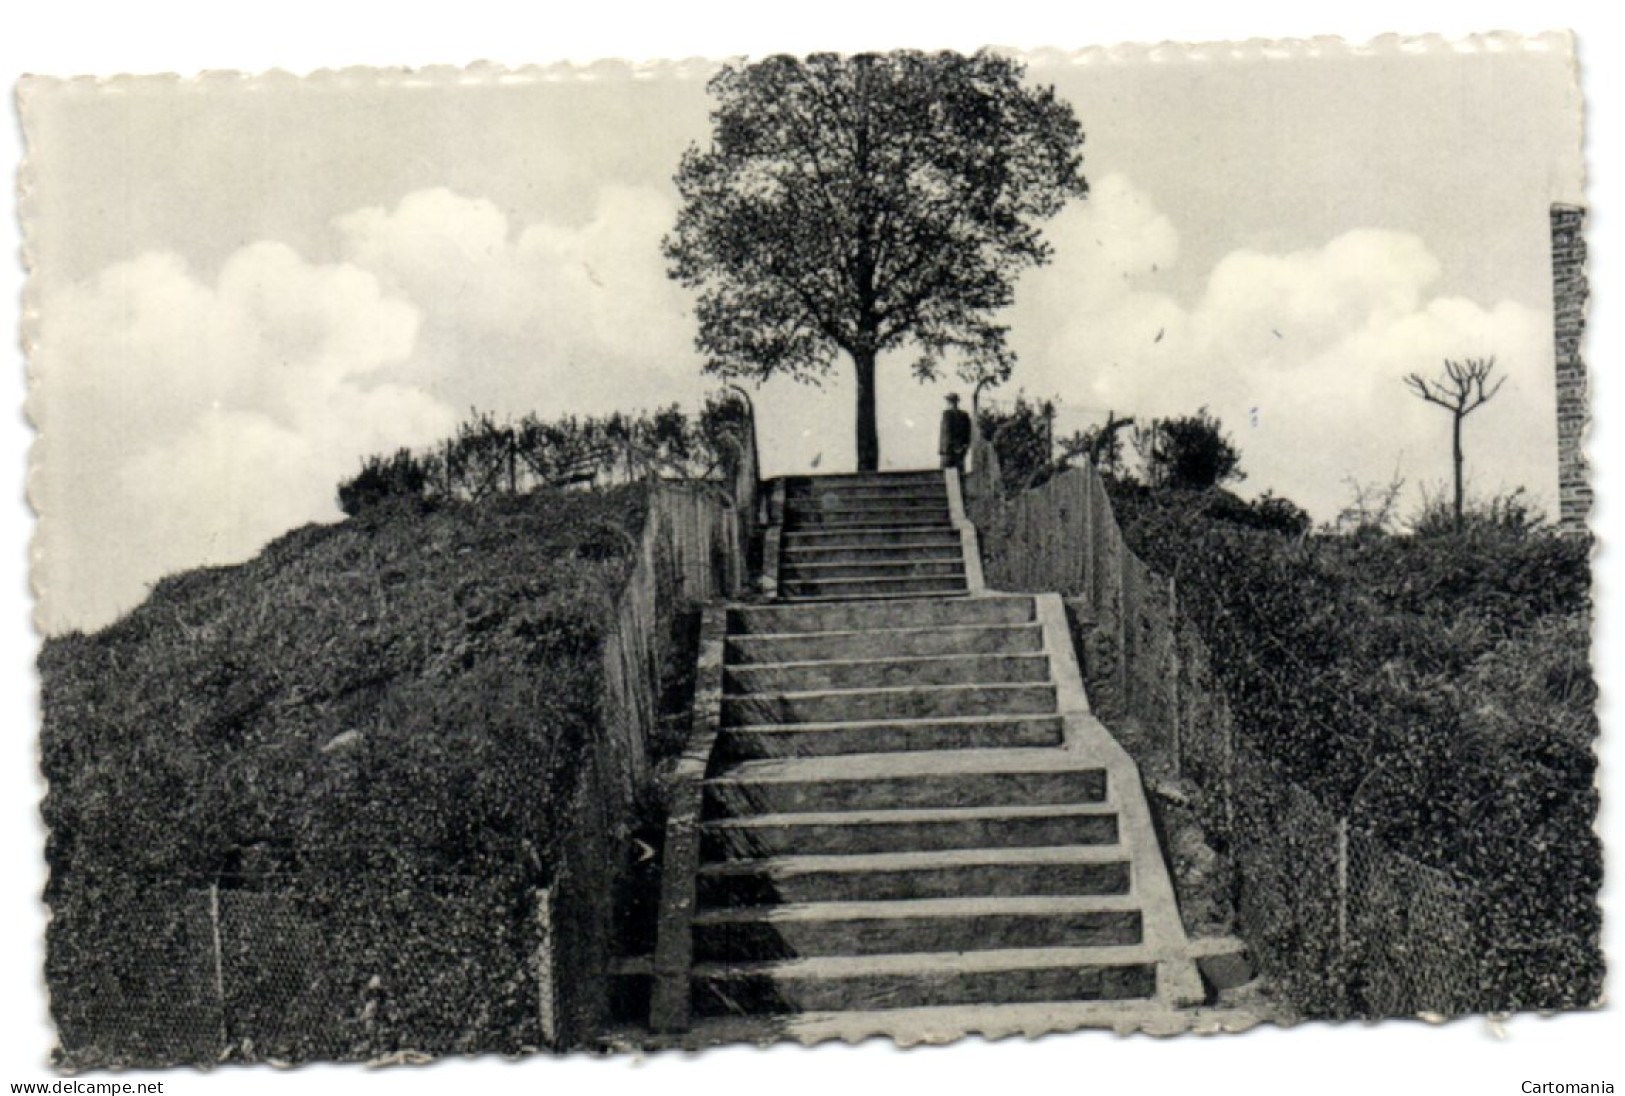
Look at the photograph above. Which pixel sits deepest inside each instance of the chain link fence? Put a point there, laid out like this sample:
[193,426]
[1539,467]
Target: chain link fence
[294,969]
[1344,925]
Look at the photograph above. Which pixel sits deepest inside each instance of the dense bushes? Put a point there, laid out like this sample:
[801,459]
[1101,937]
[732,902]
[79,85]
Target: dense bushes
[485,457]
[1189,452]
[1023,438]
[1434,689]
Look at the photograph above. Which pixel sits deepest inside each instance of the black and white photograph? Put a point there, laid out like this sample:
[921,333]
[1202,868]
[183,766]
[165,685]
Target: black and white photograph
[626,558]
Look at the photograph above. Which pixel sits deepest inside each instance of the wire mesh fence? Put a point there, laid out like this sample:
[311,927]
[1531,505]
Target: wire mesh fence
[294,969]
[1410,934]
[1289,897]
[1344,925]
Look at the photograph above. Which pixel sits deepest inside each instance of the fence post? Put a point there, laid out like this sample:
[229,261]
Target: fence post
[1343,894]
[1176,672]
[219,961]
[547,1006]
[1229,774]
[1124,632]
[513,463]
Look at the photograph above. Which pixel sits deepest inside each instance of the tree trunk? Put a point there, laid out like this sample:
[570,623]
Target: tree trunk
[1455,450]
[868,433]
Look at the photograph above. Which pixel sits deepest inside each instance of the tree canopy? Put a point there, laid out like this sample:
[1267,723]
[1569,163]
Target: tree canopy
[858,205]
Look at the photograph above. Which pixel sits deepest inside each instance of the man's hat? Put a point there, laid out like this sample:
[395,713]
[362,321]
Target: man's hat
[953,398]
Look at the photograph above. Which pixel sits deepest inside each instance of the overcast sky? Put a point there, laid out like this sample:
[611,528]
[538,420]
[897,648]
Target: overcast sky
[242,289]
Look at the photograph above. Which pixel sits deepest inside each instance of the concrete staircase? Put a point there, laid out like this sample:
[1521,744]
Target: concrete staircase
[907,815]
[875,535]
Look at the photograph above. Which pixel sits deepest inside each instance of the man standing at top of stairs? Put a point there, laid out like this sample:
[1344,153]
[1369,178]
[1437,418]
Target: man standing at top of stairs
[954,441]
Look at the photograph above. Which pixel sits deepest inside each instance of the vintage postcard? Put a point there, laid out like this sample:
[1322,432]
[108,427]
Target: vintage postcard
[796,548]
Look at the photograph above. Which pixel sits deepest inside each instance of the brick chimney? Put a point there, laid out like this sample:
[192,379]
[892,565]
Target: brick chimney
[1569,293]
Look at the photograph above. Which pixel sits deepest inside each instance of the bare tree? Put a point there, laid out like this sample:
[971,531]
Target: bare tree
[1373,508]
[1463,389]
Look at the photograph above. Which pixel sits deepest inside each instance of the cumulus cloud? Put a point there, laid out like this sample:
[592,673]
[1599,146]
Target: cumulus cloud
[185,422]
[547,317]
[1300,354]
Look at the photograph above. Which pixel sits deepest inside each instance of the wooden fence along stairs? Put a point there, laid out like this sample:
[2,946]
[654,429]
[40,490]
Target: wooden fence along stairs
[905,820]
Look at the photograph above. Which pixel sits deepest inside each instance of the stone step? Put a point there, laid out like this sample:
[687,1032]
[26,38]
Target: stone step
[838,507]
[769,835]
[962,639]
[866,479]
[930,1026]
[935,516]
[868,705]
[862,494]
[869,616]
[798,554]
[854,983]
[914,925]
[881,672]
[802,570]
[827,598]
[898,735]
[905,534]
[897,781]
[1066,869]
[883,587]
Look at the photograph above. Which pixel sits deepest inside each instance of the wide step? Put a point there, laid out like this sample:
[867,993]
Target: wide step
[793,571]
[863,705]
[905,830]
[898,643]
[869,517]
[866,495]
[870,616]
[867,500]
[900,735]
[877,673]
[879,536]
[951,873]
[911,478]
[866,590]
[797,553]
[923,925]
[853,983]
[739,794]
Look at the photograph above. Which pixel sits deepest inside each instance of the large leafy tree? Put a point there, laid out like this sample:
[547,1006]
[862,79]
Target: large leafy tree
[856,205]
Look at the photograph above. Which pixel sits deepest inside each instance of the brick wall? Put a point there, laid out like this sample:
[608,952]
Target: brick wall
[1569,291]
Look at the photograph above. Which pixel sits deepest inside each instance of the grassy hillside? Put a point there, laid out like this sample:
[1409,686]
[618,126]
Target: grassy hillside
[367,715]
[1435,689]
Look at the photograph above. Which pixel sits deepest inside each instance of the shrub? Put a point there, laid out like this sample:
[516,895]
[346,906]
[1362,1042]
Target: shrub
[1190,452]
[1510,514]
[396,477]
[1373,509]
[485,457]
[1268,512]
[1023,438]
